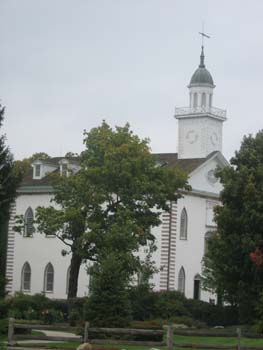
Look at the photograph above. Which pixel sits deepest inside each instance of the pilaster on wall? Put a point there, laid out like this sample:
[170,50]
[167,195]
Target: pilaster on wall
[168,249]
[10,250]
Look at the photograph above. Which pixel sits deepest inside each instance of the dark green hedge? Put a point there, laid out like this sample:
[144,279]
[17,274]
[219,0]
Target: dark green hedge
[146,305]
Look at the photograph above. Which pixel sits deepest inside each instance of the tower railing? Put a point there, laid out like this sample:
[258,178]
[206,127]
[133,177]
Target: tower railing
[205,110]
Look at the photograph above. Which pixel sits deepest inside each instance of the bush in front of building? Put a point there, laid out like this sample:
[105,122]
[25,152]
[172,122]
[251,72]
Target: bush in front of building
[39,307]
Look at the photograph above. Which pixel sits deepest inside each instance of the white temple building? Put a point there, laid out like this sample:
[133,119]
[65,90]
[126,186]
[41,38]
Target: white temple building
[34,261]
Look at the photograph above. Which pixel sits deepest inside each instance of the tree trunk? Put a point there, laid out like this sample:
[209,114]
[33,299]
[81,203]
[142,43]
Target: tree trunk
[74,275]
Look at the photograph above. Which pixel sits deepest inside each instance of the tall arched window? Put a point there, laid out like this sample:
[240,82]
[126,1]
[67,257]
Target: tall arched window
[195,99]
[49,278]
[203,102]
[183,224]
[67,281]
[29,220]
[26,277]
[197,287]
[181,280]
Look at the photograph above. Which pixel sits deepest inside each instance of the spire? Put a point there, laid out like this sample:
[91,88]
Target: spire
[202,58]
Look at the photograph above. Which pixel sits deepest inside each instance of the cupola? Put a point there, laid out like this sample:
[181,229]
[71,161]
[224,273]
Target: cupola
[201,86]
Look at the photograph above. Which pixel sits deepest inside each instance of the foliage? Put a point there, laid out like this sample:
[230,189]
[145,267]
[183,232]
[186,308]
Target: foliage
[143,302]
[10,177]
[108,304]
[228,266]
[112,201]
[3,327]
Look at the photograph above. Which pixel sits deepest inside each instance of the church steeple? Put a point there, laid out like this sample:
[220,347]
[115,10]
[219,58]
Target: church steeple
[202,58]
[200,124]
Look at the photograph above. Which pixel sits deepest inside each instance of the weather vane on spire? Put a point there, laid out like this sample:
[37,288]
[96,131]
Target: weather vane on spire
[202,57]
[203,35]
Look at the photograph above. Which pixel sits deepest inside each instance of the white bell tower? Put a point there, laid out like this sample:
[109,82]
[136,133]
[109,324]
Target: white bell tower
[200,124]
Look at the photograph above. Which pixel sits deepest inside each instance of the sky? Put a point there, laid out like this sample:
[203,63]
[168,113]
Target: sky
[66,65]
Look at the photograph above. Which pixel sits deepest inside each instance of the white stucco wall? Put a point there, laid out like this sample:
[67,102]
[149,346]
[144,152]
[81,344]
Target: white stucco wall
[38,251]
[199,136]
[189,252]
[201,180]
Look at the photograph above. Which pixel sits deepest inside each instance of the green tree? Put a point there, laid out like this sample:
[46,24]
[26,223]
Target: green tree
[10,176]
[228,268]
[77,202]
[109,206]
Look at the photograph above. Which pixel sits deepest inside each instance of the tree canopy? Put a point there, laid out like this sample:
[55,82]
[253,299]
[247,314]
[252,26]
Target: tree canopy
[228,266]
[111,203]
[10,176]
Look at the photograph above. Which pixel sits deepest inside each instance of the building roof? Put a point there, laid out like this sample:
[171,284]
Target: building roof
[165,159]
[187,165]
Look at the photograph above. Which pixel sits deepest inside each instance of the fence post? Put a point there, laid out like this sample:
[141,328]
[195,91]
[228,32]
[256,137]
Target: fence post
[11,331]
[238,338]
[86,332]
[170,336]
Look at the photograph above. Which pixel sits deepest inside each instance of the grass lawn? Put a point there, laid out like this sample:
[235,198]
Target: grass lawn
[177,340]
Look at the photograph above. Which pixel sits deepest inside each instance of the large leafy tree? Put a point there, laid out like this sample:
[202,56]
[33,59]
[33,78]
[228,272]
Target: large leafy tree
[75,202]
[109,206]
[10,176]
[228,267]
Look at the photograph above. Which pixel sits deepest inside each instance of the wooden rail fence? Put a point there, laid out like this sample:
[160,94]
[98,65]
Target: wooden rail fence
[169,331]
[13,337]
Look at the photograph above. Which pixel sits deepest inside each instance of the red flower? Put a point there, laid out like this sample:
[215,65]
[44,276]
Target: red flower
[257,257]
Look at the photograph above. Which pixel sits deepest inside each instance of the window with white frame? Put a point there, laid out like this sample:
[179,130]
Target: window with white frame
[26,277]
[37,170]
[49,278]
[183,224]
[29,223]
[181,280]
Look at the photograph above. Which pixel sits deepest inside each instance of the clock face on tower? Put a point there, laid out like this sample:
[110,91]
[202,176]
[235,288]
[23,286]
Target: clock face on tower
[214,138]
[191,136]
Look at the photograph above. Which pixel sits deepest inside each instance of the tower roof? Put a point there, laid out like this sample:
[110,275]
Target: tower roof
[201,76]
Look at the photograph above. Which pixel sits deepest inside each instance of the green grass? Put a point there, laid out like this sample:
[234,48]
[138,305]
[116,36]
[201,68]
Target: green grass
[177,340]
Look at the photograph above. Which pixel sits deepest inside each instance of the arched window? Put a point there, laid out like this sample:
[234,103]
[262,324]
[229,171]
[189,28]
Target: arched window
[195,99]
[181,280]
[29,220]
[203,102]
[26,277]
[208,237]
[49,278]
[197,286]
[67,281]
[183,224]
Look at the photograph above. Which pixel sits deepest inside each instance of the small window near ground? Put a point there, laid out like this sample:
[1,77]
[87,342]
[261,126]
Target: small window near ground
[49,278]
[26,277]
[181,280]
[197,287]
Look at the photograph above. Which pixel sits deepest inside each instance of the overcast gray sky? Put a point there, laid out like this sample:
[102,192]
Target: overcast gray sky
[66,65]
